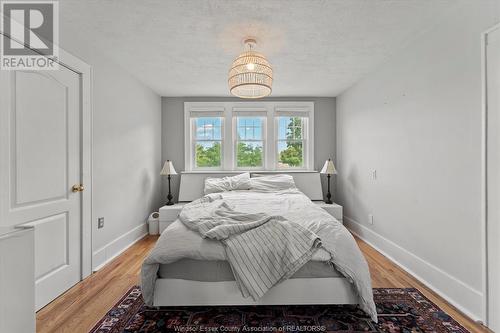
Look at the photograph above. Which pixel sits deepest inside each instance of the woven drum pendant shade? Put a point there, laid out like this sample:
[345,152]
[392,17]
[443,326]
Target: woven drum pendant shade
[251,75]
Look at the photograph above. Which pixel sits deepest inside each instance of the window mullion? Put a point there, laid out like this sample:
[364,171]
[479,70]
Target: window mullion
[227,139]
[270,139]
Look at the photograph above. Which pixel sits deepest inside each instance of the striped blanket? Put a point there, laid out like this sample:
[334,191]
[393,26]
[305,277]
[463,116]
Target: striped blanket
[262,249]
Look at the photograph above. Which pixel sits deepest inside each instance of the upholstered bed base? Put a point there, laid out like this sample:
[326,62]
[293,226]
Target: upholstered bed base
[178,292]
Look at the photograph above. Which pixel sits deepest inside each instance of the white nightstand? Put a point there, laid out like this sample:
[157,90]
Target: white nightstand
[332,209]
[169,214]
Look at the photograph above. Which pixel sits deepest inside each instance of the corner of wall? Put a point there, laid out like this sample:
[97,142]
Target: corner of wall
[456,292]
[110,251]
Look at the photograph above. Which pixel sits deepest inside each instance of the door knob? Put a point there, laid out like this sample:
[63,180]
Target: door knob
[77,188]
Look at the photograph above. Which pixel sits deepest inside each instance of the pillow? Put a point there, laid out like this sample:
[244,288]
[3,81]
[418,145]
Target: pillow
[272,183]
[238,182]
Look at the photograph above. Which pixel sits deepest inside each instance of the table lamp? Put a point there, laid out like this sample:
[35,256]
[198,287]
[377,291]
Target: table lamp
[168,170]
[328,170]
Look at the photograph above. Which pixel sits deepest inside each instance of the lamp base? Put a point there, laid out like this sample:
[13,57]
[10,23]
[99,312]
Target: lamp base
[328,194]
[169,198]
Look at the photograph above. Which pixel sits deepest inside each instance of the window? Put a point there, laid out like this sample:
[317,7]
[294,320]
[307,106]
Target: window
[291,142]
[207,142]
[249,142]
[263,135]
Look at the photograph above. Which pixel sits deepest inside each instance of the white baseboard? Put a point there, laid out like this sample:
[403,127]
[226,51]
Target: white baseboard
[114,248]
[459,294]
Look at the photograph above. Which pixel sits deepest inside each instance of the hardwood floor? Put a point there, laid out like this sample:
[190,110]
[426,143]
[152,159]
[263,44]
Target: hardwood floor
[78,309]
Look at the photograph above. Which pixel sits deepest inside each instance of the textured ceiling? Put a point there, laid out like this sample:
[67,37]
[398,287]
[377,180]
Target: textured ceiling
[185,47]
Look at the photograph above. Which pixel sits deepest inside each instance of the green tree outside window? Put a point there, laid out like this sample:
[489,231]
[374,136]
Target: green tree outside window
[293,155]
[250,144]
[249,155]
[208,156]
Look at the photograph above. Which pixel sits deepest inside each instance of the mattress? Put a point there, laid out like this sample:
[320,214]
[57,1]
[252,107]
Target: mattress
[219,270]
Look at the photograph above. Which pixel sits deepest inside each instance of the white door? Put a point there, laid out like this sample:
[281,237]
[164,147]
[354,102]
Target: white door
[40,152]
[493,176]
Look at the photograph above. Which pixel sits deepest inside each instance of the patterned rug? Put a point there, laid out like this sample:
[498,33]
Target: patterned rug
[399,310]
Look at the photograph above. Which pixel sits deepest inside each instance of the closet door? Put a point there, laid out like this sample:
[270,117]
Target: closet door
[41,163]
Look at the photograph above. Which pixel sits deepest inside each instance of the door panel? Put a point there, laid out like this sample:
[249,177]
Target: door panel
[42,146]
[493,177]
[40,154]
[51,248]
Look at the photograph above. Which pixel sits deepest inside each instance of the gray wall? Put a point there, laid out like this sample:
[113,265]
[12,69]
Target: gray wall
[173,131]
[417,121]
[126,151]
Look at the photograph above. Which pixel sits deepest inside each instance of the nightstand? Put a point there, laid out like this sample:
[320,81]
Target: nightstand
[169,214]
[332,209]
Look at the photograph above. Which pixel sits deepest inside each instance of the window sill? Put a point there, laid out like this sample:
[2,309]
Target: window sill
[251,171]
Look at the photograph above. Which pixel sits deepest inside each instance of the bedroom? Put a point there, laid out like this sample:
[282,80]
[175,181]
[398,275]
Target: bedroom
[389,106]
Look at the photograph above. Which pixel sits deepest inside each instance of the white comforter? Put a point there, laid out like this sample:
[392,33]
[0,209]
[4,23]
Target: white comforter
[262,250]
[338,245]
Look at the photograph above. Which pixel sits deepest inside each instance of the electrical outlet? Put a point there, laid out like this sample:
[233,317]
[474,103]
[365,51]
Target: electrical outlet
[100,223]
[370,219]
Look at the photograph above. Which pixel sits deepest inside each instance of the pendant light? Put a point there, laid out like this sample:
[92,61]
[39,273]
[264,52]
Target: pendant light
[251,75]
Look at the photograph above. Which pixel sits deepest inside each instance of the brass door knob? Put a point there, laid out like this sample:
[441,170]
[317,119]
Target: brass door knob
[77,188]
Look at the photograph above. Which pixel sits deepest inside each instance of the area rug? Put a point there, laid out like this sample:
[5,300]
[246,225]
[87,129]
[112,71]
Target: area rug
[399,310]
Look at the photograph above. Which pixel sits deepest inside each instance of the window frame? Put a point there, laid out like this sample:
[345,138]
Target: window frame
[248,114]
[193,142]
[229,112]
[304,141]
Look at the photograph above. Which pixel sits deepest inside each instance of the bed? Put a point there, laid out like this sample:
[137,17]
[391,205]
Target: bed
[185,269]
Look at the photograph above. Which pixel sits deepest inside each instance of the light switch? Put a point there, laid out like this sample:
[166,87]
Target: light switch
[100,223]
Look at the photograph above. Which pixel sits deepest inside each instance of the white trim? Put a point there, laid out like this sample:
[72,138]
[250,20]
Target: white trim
[465,298]
[113,249]
[86,79]
[484,173]
[271,137]
[197,109]
[484,190]
[234,130]
[228,155]
[308,134]
[251,171]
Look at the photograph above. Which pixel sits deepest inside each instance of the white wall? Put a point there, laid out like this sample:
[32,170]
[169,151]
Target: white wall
[417,121]
[126,151]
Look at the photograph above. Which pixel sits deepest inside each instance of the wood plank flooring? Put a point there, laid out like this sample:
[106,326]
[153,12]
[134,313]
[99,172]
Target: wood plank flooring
[78,309]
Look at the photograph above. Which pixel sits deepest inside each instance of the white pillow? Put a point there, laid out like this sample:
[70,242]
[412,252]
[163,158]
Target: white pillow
[238,182]
[271,183]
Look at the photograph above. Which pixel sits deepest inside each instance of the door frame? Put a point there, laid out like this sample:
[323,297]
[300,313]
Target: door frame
[85,72]
[484,172]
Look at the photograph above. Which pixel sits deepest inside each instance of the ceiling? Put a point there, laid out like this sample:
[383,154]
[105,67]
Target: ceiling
[185,47]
